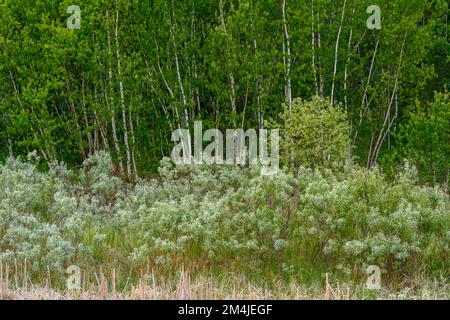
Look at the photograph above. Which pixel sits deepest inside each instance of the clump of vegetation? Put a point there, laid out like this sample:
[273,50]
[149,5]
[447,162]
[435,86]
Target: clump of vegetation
[315,133]
[424,140]
[293,226]
[99,104]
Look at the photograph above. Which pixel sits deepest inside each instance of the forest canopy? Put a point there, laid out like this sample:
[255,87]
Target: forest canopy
[136,70]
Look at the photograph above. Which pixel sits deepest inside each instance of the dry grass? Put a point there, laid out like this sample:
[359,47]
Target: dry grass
[184,288]
[15,284]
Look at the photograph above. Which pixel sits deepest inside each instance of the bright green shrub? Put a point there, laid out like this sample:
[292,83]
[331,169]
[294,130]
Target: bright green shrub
[314,133]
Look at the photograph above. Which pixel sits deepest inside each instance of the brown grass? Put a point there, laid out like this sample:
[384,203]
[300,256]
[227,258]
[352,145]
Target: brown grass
[151,287]
[16,284]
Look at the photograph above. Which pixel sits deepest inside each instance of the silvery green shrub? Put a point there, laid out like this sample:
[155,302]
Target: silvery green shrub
[335,220]
[362,219]
[28,229]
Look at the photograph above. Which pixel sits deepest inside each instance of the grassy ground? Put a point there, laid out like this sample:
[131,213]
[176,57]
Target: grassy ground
[184,286]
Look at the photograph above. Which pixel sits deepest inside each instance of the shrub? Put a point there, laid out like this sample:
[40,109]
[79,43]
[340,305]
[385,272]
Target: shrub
[222,217]
[314,133]
[423,139]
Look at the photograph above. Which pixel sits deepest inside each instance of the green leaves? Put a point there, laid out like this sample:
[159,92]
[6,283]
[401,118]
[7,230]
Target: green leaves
[315,134]
[424,138]
[222,217]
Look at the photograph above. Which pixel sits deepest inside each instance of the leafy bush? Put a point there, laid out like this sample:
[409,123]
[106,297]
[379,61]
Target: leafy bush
[28,228]
[359,219]
[342,222]
[424,140]
[314,133]
[222,217]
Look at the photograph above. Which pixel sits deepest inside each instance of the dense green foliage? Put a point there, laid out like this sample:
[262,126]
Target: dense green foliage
[424,139]
[136,70]
[224,218]
[363,117]
[315,134]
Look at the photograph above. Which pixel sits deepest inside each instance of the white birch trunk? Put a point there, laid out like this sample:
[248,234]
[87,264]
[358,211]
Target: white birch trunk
[288,56]
[110,100]
[122,98]
[336,53]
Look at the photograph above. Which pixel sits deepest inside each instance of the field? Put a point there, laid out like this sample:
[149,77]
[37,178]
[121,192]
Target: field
[224,149]
[312,234]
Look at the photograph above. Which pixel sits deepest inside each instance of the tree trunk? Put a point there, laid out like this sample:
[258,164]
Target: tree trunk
[287,61]
[336,53]
[180,82]
[110,100]
[122,98]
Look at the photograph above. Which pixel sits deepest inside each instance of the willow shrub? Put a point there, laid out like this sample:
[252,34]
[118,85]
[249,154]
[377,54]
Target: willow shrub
[224,217]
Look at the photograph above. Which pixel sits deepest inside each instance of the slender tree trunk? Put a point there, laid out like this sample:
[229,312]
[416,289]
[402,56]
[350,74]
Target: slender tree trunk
[10,147]
[349,46]
[245,106]
[364,103]
[122,98]
[85,118]
[387,124]
[133,141]
[287,45]
[110,99]
[71,105]
[169,89]
[336,53]
[166,113]
[259,92]
[172,96]
[180,82]
[194,67]
[101,124]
